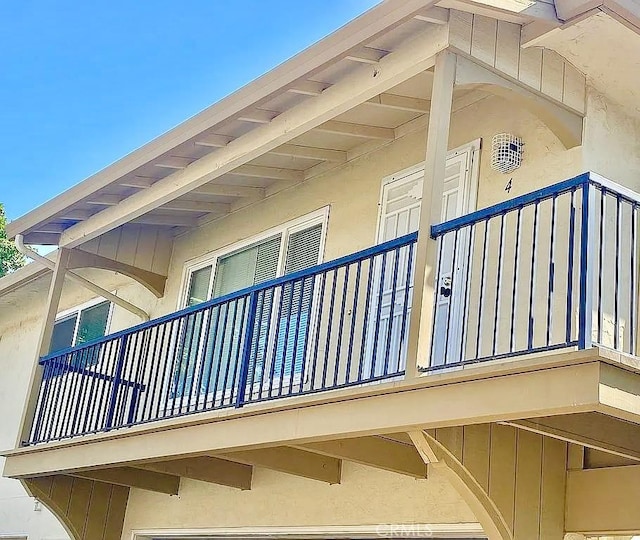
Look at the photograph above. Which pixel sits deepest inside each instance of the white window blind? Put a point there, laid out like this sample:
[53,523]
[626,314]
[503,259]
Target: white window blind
[292,250]
[247,267]
[303,250]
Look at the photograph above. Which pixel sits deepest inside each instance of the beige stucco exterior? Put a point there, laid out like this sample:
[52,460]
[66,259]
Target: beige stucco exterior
[500,470]
[365,497]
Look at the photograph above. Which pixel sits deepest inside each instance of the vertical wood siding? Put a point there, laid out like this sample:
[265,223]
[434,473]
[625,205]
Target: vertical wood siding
[497,44]
[90,510]
[523,473]
[148,248]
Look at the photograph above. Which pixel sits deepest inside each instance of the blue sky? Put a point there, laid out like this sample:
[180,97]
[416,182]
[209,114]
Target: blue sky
[84,83]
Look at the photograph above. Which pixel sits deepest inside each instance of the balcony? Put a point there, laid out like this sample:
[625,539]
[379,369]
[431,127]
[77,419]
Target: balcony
[526,276]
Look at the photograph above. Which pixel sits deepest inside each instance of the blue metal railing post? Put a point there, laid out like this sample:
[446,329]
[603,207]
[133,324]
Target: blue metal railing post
[40,411]
[246,349]
[585,304]
[117,377]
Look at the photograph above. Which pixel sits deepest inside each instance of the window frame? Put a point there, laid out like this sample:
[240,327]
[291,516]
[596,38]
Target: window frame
[286,229]
[77,310]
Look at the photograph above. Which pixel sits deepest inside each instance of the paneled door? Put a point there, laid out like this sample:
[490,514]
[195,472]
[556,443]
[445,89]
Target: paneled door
[399,215]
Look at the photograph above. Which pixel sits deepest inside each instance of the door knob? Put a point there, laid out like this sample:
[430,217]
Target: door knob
[445,288]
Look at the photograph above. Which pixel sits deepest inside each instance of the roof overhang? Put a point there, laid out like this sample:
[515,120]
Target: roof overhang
[369,44]
[626,11]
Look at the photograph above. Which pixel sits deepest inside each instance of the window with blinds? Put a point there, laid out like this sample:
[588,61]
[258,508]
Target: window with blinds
[302,252]
[247,267]
[199,286]
[288,251]
[256,264]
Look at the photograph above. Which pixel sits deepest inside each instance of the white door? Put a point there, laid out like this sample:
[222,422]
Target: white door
[400,215]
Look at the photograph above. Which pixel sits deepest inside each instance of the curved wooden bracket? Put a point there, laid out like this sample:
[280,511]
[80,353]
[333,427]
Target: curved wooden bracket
[86,509]
[152,281]
[564,123]
[437,455]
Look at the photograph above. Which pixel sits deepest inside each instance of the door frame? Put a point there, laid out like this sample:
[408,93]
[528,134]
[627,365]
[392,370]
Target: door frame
[470,190]
[469,197]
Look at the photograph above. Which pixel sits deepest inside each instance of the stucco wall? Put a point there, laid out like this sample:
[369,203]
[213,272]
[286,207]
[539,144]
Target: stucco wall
[545,160]
[18,344]
[366,496]
[611,141]
[352,191]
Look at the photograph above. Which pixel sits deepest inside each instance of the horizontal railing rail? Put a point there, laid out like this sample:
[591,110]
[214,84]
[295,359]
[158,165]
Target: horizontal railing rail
[314,270]
[507,206]
[556,268]
[551,269]
[334,325]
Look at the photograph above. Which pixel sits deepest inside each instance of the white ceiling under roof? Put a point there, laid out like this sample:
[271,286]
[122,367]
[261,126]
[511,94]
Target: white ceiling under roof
[389,25]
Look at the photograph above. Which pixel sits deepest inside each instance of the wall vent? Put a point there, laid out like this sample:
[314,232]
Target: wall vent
[506,152]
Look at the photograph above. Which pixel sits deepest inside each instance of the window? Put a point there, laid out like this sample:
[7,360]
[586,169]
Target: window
[291,248]
[80,325]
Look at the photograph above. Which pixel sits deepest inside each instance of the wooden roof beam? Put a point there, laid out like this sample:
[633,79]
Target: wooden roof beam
[213,140]
[258,116]
[402,103]
[292,461]
[587,430]
[138,182]
[226,190]
[272,173]
[434,15]
[50,228]
[375,452]
[196,206]
[367,55]
[174,162]
[205,469]
[308,88]
[130,477]
[357,130]
[74,215]
[163,220]
[104,200]
[307,152]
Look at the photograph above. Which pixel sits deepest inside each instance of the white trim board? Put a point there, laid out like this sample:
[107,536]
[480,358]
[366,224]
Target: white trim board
[380,531]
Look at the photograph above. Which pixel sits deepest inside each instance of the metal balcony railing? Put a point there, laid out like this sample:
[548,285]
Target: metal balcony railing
[552,269]
[335,325]
[557,268]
